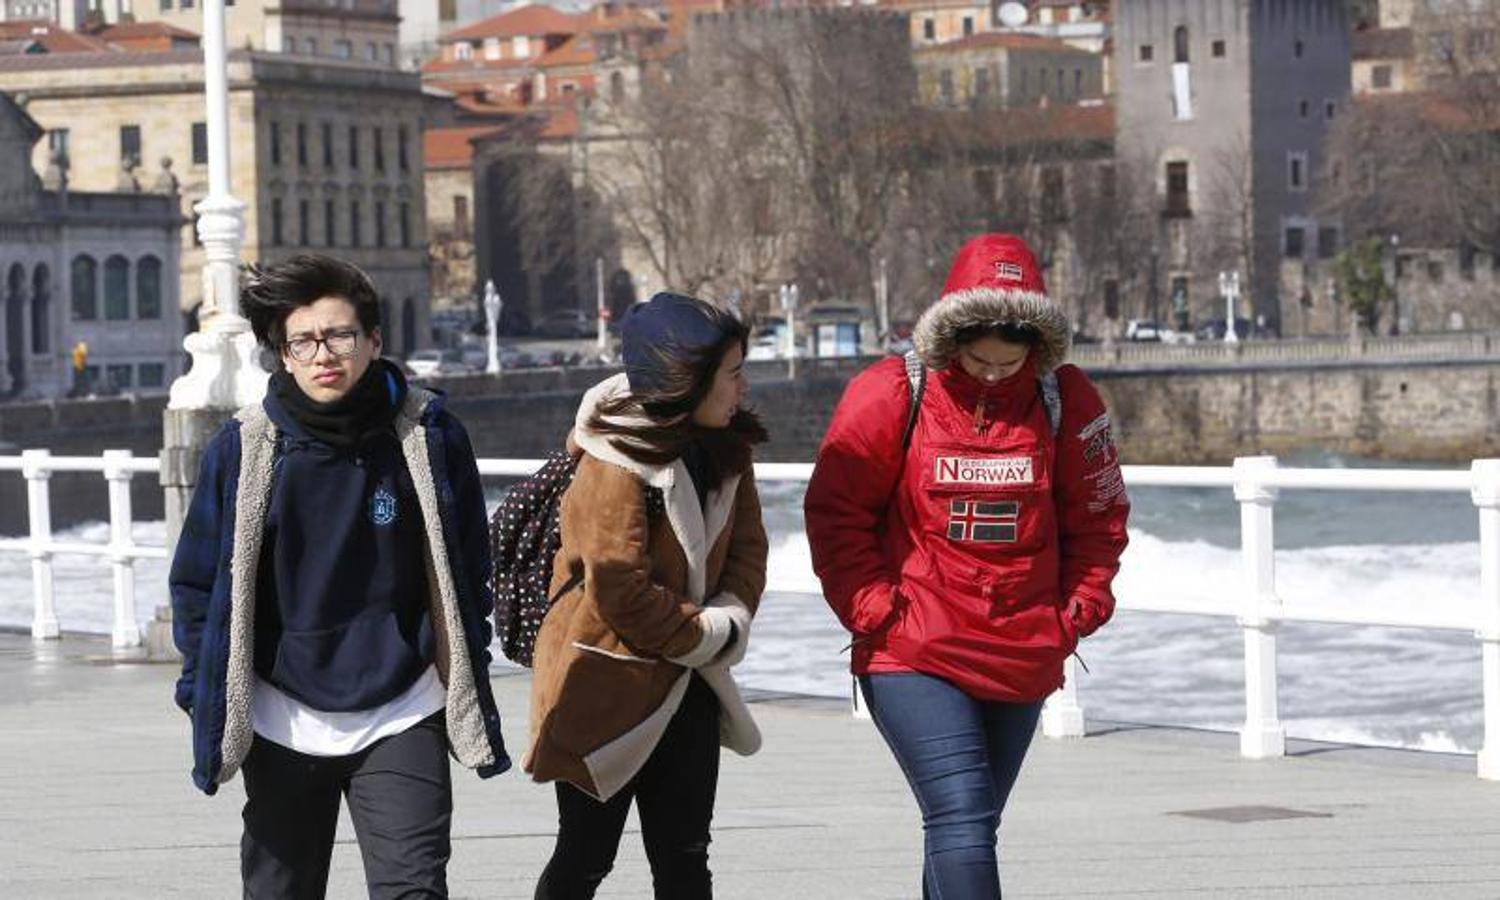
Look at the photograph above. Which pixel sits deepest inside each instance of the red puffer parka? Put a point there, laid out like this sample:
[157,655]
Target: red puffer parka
[985,550]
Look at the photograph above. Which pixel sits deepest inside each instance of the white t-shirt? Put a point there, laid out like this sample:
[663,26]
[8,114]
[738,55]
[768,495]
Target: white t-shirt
[295,725]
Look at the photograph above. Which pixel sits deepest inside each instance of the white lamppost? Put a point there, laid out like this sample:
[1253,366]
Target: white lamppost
[492,306]
[1229,287]
[789,294]
[601,311]
[226,372]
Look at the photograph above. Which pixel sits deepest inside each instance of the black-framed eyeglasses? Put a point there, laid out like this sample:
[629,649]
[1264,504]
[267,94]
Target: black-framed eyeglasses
[342,344]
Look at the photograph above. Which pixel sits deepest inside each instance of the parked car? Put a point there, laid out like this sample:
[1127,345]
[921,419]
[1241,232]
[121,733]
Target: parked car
[1142,330]
[1213,329]
[433,363]
[568,323]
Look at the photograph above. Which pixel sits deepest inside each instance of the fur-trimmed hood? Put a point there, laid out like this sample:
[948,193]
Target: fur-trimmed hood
[994,280]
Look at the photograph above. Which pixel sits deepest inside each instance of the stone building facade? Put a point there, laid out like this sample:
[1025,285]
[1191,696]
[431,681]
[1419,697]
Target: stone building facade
[1225,104]
[92,269]
[327,156]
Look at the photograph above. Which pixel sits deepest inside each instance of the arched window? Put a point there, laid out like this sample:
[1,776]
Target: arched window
[617,87]
[15,326]
[116,288]
[1180,44]
[41,309]
[408,327]
[85,288]
[148,288]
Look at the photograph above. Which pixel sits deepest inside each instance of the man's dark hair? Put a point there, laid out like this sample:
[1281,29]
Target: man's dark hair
[271,293]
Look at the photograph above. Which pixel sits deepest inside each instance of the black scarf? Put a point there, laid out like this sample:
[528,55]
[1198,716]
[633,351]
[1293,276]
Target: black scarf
[367,409]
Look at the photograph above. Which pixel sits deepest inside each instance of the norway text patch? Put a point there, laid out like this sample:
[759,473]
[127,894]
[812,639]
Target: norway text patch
[983,470]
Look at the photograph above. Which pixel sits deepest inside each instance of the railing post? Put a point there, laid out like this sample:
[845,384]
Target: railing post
[1486,495]
[36,469]
[1062,716]
[1262,735]
[127,631]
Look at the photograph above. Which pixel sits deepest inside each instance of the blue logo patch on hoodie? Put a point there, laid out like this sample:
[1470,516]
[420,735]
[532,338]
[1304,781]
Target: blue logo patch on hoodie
[383,507]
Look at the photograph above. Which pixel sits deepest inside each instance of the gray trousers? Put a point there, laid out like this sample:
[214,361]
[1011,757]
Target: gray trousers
[400,799]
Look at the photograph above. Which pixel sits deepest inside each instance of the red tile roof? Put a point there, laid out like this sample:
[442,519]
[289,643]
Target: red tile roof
[54,38]
[452,148]
[478,65]
[577,50]
[526,21]
[1381,43]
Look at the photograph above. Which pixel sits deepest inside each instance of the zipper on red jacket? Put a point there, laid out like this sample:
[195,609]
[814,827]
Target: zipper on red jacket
[981,412]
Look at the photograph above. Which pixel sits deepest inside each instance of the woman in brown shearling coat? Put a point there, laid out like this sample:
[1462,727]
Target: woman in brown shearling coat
[661,568]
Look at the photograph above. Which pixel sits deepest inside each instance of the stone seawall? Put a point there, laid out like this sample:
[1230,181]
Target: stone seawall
[1445,412]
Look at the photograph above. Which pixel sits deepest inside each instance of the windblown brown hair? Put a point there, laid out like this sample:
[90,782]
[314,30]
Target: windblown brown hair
[669,409]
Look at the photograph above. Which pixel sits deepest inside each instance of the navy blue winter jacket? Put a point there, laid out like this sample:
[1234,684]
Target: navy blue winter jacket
[214,575]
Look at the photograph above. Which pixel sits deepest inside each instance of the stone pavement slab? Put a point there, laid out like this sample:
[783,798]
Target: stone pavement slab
[95,801]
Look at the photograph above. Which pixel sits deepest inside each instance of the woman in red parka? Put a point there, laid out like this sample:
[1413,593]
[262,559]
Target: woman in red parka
[969,554]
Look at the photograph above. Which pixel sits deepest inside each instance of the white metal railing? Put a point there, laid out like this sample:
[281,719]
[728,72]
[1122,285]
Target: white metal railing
[1255,481]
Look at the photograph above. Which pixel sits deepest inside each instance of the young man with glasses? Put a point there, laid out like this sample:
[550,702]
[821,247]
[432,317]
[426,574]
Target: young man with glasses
[330,602]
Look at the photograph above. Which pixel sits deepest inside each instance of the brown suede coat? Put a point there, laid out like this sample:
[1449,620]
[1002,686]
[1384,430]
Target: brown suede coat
[608,664]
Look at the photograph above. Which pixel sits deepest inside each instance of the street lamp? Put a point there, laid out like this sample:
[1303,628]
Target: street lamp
[1395,283]
[1229,289]
[492,306]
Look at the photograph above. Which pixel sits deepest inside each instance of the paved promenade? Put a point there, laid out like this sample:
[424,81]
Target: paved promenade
[95,801]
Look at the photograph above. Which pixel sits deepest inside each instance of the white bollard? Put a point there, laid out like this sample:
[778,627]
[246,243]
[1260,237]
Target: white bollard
[36,469]
[1486,496]
[1262,735]
[127,631]
[1062,716]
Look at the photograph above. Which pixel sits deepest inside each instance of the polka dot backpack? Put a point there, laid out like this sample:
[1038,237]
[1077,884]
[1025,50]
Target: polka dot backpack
[525,535]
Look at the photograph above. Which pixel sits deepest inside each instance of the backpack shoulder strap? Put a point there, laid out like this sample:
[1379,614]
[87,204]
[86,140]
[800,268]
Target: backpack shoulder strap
[916,377]
[1052,398]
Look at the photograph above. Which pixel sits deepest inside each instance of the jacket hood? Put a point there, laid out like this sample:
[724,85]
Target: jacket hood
[995,280]
[602,446]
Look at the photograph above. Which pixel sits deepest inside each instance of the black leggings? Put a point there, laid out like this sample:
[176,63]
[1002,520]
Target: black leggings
[674,795]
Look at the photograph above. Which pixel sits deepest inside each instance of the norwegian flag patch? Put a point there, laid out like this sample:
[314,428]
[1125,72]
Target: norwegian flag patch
[983,522]
[1009,271]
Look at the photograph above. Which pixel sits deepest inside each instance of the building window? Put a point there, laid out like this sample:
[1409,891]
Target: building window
[301,143]
[353,146]
[276,236]
[148,288]
[403,160]
[275,143]
[1146,53]
[1329,108]
[200,143]
[617,87]
[1077,83]
[343,49]
[968,25]
[1304,109]
[945,86]
[330,223]
[447,10]
[390,54]
[492,48]
[119,375]
[327,145]
[463,51]
[130,144]
[1177,190]
[405,223]
[461,216]
[1054,201]
[1466,254]
[41,309]
[116,289]
[378,139]
[1435,271]
[291,45]
[1292,242]
[1296,171]
[1297,48]
[312,46]
[981,83]
[166,6]
[57,144]
[1328,242]
[304,220]
[1218,49]
[372,51]
[1380,77]
[152,375]
[1180,44]
[520,46]
[354,229]
[929,30]
[379,224]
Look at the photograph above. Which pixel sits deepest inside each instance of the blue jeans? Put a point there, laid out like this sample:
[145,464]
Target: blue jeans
[961,757]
